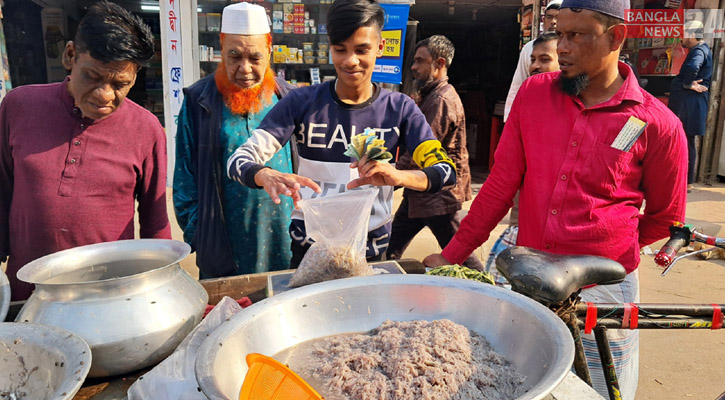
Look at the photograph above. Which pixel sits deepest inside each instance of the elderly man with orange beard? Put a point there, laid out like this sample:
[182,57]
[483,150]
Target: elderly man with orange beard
[234,230]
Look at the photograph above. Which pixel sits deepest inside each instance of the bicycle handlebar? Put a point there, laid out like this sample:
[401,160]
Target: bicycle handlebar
[680,236]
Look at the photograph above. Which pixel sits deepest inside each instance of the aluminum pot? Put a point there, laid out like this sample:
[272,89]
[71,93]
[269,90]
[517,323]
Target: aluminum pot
[4,296]
[530,336]
[41,362]
[130,300]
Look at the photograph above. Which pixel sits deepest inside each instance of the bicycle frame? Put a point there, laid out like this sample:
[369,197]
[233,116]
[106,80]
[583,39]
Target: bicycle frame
[600,317]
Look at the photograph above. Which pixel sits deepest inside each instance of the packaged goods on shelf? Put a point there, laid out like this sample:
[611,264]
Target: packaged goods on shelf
[214,22]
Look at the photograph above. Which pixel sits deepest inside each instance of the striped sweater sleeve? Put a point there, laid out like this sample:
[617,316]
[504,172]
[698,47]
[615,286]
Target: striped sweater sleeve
[249,158]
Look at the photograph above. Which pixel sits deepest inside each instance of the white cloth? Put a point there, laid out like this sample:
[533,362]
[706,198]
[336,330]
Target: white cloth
[522,72]
[245,19]
[624,343]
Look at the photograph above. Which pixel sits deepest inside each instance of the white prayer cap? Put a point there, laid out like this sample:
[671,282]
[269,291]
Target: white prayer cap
[245,19]
[694,28]
[553,3]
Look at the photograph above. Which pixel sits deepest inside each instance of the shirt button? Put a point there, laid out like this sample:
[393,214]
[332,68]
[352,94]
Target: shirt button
[76,110]
[563,177]
[573,144]
[83,126]
[77,143]
[72,160]
[553,212]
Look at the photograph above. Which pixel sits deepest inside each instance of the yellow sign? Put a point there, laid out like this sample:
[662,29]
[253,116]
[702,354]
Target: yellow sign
[393,43]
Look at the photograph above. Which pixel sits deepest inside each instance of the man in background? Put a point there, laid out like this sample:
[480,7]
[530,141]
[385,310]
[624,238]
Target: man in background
[522,68]
[76,156]
[233,229]
[443,110]
[543,55]
[689,91]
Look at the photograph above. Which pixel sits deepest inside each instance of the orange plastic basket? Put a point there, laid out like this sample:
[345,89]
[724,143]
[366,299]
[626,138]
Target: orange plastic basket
[268,379]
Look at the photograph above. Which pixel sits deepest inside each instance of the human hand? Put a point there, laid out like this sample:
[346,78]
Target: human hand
[435,260]
[375,173]
[276,183]
[697,87]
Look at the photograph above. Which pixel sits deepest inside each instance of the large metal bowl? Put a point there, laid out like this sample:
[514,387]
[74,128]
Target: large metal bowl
[41,362]
[130,300]
[530,336]
[4,296]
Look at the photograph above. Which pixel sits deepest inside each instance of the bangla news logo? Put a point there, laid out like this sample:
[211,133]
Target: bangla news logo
[669,23]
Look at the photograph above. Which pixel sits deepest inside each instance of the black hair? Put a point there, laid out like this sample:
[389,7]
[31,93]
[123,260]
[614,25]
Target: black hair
[108,32]
[545,37]
[347,16]
[439,47]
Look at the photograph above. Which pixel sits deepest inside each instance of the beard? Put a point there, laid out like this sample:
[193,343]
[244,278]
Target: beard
[418,86]
[243,101]
[575,85]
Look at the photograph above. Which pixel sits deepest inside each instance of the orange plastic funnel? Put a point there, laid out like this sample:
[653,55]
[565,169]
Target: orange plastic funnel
[269,379]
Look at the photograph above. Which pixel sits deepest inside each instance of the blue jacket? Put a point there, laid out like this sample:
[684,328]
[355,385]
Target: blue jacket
[210,241]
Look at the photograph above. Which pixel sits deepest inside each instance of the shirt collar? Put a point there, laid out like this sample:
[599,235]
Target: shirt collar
[67,99]
[630,90]
[432,86]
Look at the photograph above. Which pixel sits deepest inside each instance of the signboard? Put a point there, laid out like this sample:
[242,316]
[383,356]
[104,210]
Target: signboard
[172,62]
[389,67]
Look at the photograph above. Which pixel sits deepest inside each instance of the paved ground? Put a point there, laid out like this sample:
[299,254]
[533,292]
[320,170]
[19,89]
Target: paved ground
[674,364]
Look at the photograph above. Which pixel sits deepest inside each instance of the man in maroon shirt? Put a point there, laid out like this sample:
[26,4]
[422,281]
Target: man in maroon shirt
[76,156]
[587,147]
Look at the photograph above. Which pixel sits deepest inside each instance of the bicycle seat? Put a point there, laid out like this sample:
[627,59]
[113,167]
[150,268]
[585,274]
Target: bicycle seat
[551,278]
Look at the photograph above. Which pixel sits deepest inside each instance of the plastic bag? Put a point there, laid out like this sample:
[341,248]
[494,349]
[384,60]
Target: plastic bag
[174,378]
[506,240]
[338,224]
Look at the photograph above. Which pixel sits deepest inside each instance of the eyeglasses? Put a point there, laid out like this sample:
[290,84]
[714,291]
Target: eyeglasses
[549,17]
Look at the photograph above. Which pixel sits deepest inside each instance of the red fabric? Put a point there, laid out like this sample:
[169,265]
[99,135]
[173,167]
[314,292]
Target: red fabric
[68,181]
[717,317]
[244,302]
[627,315]
[634,318]
[591,320]
[578,195]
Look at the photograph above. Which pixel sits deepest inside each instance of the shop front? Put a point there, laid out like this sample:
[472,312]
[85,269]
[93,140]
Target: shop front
[487,35]
[187,41]
[35,35]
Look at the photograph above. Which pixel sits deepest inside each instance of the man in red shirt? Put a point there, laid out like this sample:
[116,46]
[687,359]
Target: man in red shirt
[76,156]
[587,147]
